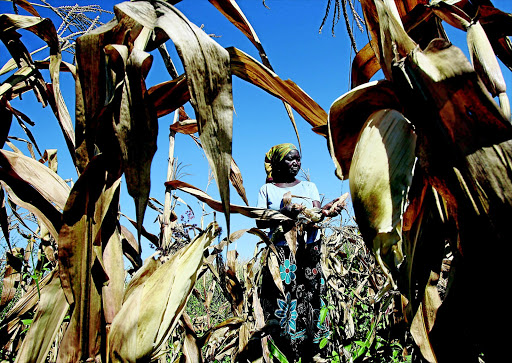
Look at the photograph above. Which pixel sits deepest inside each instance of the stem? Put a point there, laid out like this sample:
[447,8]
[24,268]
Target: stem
[166,230]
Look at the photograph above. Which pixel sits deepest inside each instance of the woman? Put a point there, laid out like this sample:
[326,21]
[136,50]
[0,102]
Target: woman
[298,311]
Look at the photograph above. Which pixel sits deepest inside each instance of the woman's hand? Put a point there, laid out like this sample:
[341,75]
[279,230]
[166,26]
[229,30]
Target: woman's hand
[332,209]
[291,210]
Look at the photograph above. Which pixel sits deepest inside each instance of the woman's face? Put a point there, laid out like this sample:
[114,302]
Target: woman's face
[290,165]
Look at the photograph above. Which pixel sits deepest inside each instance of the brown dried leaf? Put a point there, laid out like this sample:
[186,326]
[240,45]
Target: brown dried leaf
[45,30]
[206,65]
[425,318]
[138,333]
[149,236]
[348,114]
[190,350]
[186,127]
[364,66]
[247,211]
[46,324]
[131,248]
[136,127]
[250,70]
[27,6]
[81,239]
[24,195]
[46,181]
[12,276]
[25,305]
[168,96]
[113,263]
[235,15]
[50,156]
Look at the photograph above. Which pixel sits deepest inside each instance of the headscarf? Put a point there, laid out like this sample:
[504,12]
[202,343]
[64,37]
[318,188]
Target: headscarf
[275,155]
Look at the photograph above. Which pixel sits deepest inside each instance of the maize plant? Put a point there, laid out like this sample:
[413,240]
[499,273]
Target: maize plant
[413,145]
[79,306]
[427,153]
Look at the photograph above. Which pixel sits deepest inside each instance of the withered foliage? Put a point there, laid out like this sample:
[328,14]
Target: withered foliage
[427,151]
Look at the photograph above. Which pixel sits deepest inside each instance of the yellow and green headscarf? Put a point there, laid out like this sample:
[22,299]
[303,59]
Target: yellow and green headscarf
[275,155]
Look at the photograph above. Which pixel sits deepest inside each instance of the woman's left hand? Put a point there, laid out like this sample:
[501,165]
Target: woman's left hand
[334,208]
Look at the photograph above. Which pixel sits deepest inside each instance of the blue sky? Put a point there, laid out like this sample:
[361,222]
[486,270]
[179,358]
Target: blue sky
[318,63]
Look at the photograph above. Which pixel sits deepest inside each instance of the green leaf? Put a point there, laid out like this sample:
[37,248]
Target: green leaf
[275,352]
[323,343]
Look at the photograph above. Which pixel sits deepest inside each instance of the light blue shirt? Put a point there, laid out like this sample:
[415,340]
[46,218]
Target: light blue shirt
[271,197]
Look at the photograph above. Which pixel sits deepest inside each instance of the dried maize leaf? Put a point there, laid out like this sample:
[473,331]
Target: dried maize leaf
[131,248]
[486,65]
[113,263]
[136,128]
[208,72]
[94,198]
[251,212]
[349,113]
[186,127]
[138,333]
[364,66]
[168,96]
[191,351]
[395,43]
[231,10]
[380,176]
[425,318]
[46,181]
[445,80]
[24,4]
[235,15]
[50,156]
[46,324]
[24,195]
[25,305]
[451,14]
[12,272]
[93,126]
[252,71]
[149,236]
[45,30]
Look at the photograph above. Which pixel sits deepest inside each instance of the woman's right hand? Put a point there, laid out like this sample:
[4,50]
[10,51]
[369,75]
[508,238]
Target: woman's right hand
[291,210]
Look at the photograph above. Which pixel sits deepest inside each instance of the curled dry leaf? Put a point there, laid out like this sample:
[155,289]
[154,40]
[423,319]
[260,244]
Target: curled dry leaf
[206,65]
[25,305]
[12,272]
[349,113]
[252,71]
[251,212]
[235,15]
[45,180]
[486,65]
[380,176]
[136,128]
[425,318]
[138,333]
[46,324]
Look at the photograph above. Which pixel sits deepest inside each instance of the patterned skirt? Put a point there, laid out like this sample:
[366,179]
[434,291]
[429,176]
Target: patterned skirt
[298,311]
